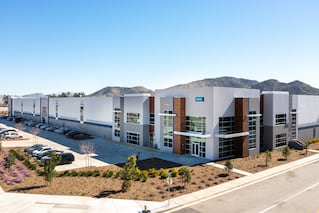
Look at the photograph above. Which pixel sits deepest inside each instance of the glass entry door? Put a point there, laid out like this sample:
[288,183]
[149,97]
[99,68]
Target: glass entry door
[195,149]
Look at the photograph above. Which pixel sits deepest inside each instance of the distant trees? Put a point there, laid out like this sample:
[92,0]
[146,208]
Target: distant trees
[68,94]
[5,100]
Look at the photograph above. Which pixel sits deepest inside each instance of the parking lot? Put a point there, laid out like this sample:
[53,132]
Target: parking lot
[106,152]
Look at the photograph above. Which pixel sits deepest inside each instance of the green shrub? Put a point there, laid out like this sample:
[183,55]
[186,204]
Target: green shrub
[74,173]
[107,174]
[40,172]
[88,173]
[29,165]
[137,175]
[163,173]
[173,172]
[96,173]
[17,155]
[82,173]
[144,175]
[153,172]
[117,174]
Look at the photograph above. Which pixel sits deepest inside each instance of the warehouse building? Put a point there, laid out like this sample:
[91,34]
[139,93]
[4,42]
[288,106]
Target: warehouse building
[211,122]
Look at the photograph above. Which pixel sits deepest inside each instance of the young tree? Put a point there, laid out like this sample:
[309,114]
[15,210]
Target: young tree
[228,166]
[49,167]
[267,157]
[87,149]
[9,160]
[128,172]
[306,147]
[286,152]
[185,174]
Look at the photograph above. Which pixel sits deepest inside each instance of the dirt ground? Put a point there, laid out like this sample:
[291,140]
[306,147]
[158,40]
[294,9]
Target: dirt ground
[154,189]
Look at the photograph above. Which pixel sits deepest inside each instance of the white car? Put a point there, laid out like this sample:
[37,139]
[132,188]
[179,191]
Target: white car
[11,135]
[35,153]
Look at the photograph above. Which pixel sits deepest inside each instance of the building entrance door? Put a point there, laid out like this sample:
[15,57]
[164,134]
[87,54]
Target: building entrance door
[195,149]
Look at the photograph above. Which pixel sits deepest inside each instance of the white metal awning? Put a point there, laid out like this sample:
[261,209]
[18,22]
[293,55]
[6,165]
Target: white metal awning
[234,135]
[193,134]
[166,114]
[254,115]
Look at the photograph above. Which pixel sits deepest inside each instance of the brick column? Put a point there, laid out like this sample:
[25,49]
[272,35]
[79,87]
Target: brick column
[179,125]
[241,125]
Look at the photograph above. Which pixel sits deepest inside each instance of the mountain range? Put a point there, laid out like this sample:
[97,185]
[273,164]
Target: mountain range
[294,87]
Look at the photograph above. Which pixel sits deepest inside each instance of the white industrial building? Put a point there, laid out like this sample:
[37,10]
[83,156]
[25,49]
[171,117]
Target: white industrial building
[210,122]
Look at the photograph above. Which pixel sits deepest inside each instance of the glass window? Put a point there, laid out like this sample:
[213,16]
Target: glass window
[168,129]
[281,119]
[252,121]
[226,145]
[133,137]
[281,140]
[152,119]
[117,133]
[133,118]
[293,129]
[196,124]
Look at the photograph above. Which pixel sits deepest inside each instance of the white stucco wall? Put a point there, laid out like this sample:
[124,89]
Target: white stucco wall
[307,109]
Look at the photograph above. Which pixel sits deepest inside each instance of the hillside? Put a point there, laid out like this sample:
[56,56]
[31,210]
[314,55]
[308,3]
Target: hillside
[295,87]
[120,91]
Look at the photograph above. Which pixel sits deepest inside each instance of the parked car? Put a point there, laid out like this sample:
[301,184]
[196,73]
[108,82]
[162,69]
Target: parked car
[30,149]
[35,153]
[11,135]
[66,158]
[48,152]
[7,130]
[62,130]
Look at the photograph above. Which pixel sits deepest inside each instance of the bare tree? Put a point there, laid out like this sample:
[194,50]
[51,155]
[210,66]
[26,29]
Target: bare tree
[87,149]
[35,132]
[20,126]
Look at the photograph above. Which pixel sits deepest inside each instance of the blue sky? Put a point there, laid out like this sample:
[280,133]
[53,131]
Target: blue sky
[51,46]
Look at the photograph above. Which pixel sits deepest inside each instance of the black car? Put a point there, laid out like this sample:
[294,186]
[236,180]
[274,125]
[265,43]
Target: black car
[66,158]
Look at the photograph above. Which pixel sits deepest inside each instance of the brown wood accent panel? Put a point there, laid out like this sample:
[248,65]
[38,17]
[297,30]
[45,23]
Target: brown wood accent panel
[152,104]
[241,125]
[151,128]
[179,125]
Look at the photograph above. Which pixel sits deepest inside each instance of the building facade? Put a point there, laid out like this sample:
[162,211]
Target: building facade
[212,122]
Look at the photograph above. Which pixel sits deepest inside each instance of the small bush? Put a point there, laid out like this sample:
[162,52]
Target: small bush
[107,174]
[96,173]
[137,175]
[40,172]
[117,174]
[173,172]
[74,174]
[88,173]
[82,173]
[144,175]
[163,173]
[29,165]
[153,172]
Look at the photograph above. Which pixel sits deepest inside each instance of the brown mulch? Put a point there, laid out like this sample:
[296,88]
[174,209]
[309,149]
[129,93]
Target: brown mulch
[154,189]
